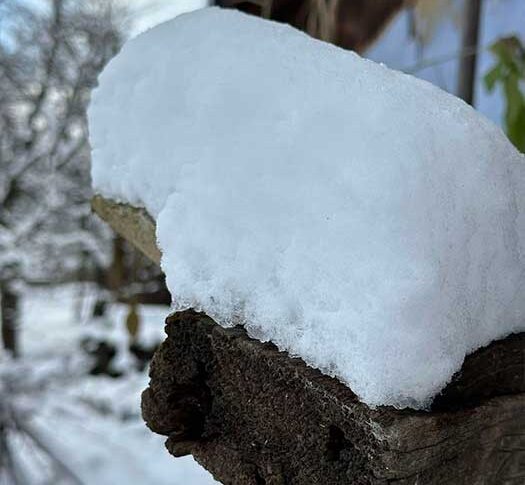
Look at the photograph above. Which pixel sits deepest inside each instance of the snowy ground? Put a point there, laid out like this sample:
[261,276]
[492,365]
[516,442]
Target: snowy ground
[91,423]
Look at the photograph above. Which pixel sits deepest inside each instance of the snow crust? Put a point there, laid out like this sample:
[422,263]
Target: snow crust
[357,217]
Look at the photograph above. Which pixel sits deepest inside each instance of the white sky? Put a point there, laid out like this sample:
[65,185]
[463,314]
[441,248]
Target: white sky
[148,13]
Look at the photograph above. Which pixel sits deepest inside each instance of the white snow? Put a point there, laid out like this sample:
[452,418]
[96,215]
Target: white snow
[357,217]
[91,423]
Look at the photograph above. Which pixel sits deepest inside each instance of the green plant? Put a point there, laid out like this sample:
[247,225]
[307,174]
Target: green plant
[509,71]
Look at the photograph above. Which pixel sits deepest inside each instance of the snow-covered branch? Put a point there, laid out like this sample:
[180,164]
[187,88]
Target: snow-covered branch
[49,61]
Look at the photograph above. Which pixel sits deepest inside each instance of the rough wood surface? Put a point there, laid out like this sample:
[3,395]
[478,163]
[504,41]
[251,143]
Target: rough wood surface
[253,415]
[133,224]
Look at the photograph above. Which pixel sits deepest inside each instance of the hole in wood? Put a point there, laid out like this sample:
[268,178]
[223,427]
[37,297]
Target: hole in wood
[336,444]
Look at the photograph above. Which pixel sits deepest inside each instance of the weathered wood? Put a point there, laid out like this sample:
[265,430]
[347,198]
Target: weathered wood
[251,414]
[133,224]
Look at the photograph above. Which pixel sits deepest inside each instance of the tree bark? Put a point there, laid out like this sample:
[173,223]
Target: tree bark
[9,305]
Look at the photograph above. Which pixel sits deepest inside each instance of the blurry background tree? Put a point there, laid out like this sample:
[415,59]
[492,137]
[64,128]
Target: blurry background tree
[353,24]
[50,56]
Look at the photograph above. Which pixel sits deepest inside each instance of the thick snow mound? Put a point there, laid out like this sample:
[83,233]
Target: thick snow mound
[355,216]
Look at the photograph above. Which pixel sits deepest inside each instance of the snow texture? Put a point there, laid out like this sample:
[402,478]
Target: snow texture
[355,216]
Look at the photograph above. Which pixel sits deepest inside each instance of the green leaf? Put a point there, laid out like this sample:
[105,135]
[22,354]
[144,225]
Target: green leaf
[514,98]
[509,70]
[492,77]
[516,132]
[506,49]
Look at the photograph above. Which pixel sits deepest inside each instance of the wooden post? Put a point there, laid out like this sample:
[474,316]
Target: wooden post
[469,46]
[254,415]
[251,414]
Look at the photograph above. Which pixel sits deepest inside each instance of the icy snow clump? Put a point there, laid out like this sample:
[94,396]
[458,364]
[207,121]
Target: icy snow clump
[357,217]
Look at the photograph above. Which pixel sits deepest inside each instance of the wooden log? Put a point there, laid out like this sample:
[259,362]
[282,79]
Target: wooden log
[253,415]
